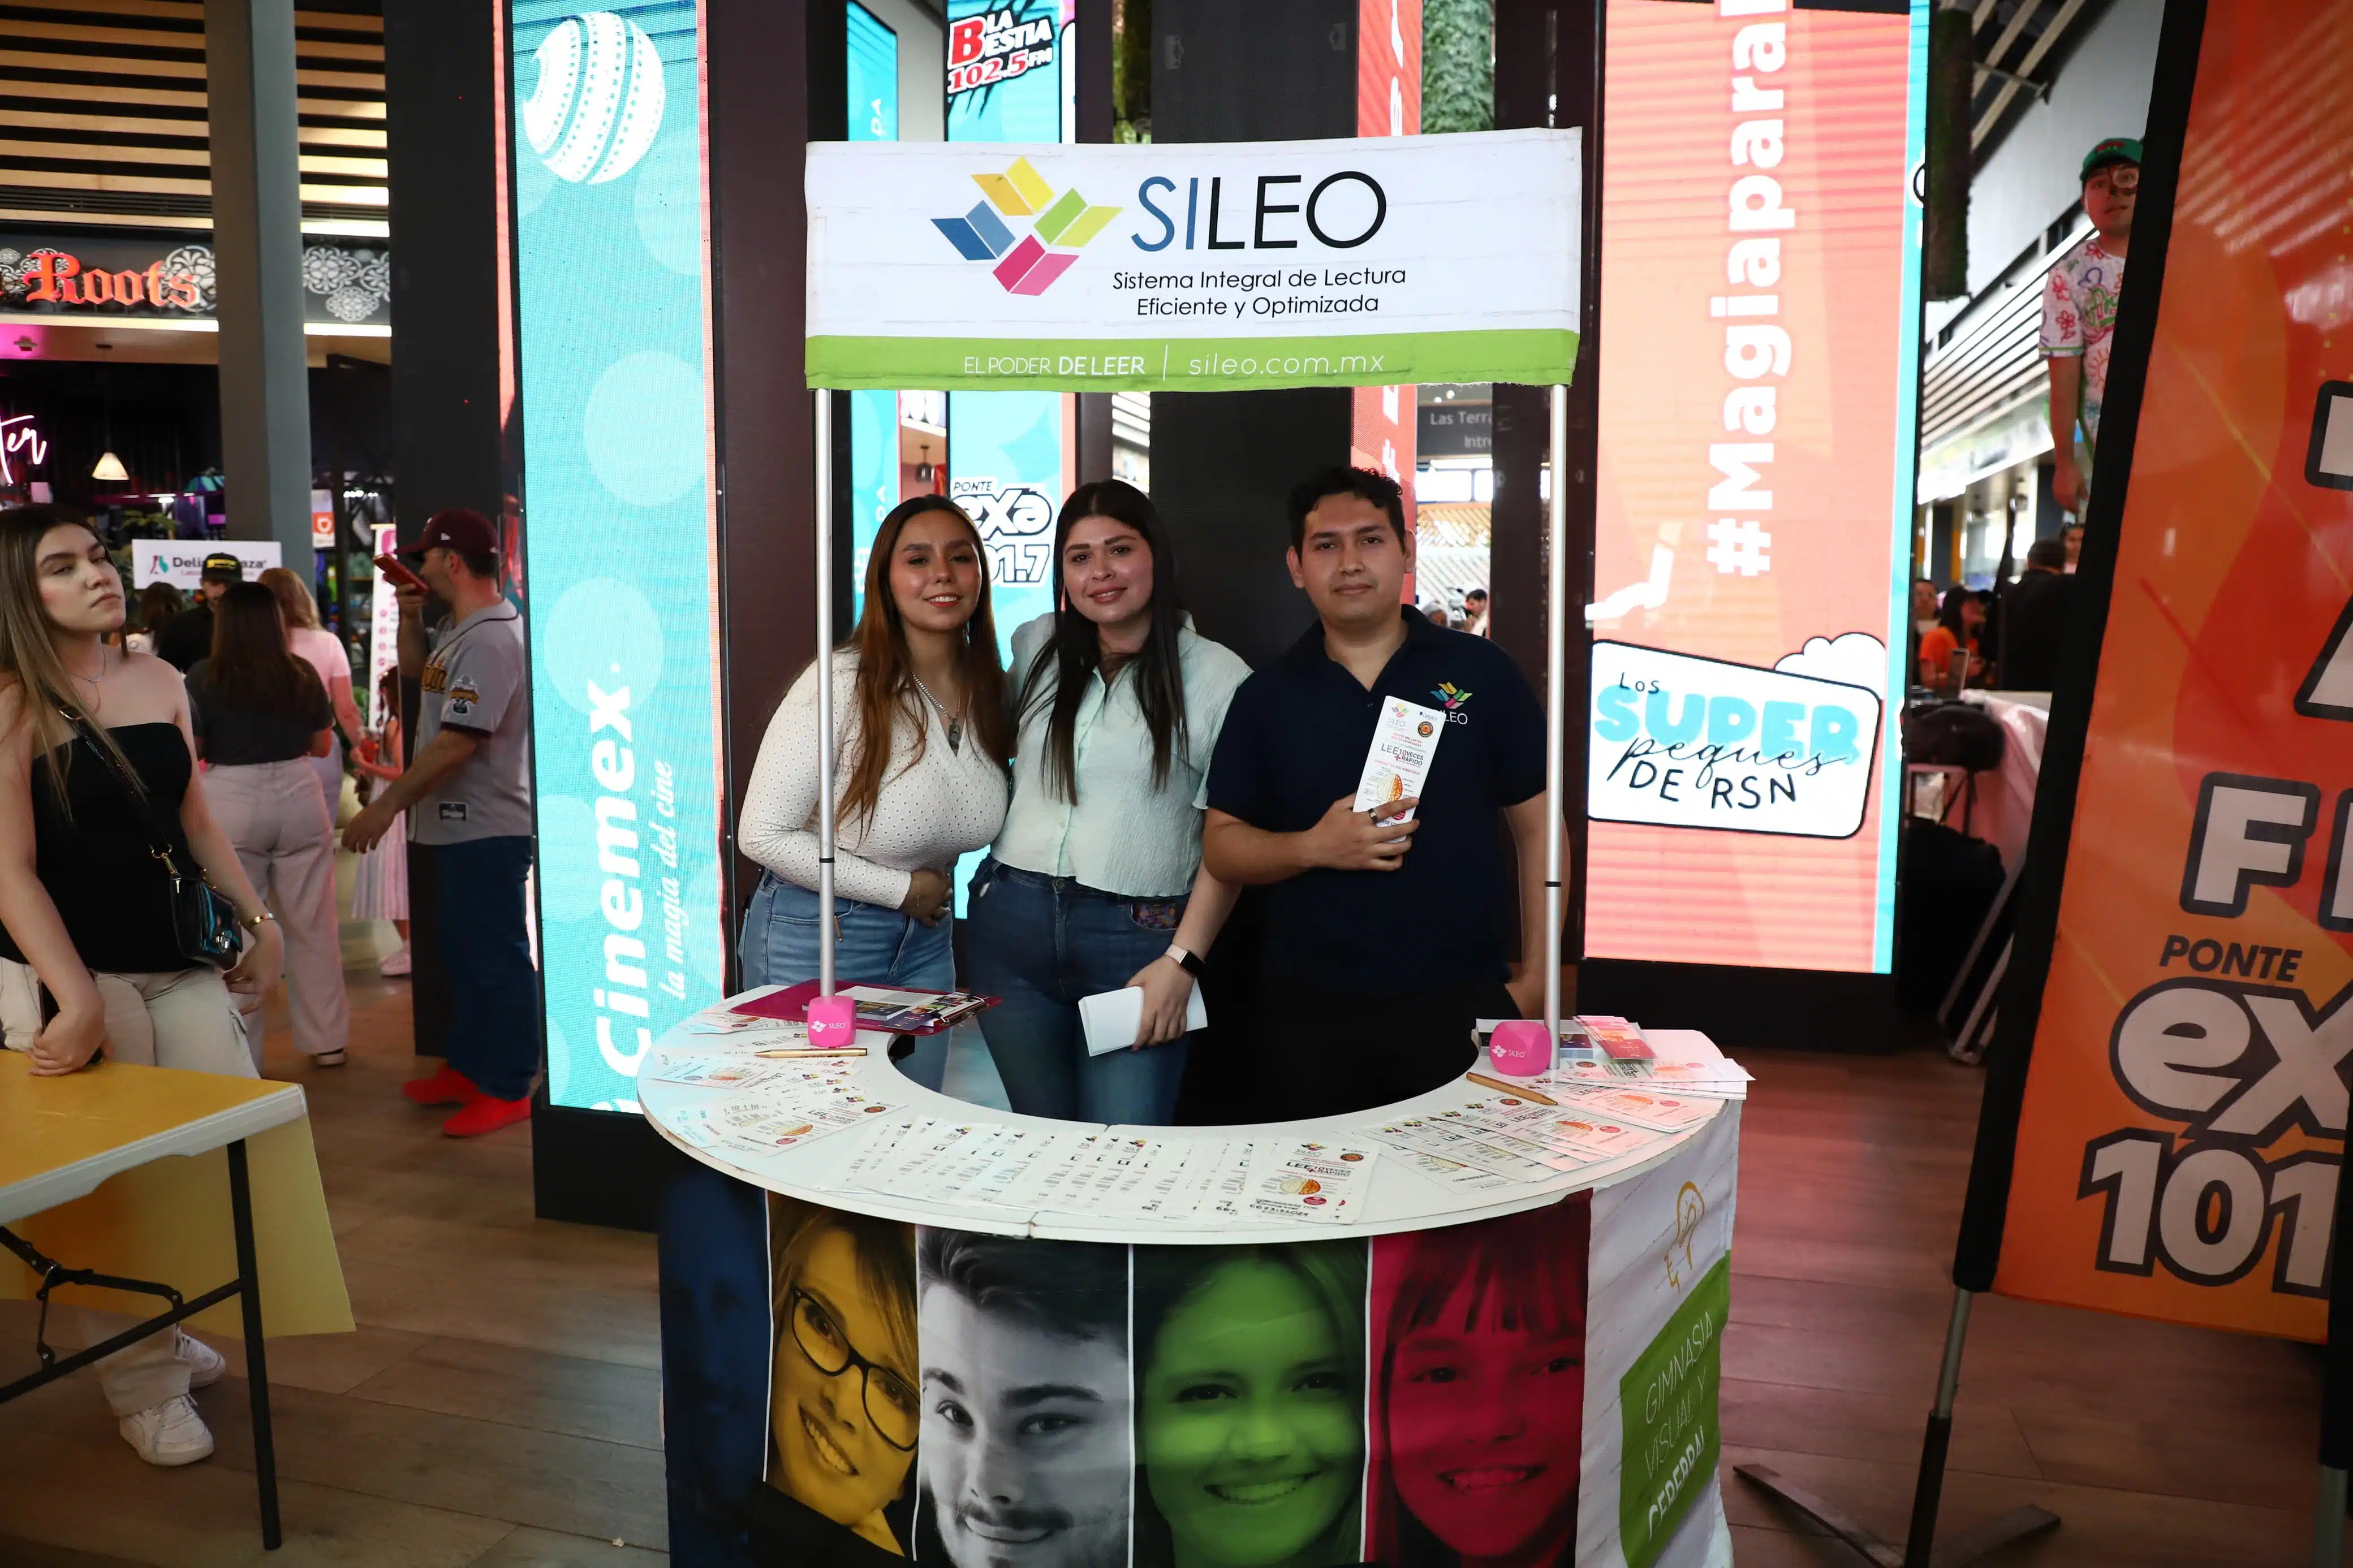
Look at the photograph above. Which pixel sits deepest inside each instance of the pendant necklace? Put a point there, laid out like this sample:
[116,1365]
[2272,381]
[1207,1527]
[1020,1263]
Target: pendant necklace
[951,724]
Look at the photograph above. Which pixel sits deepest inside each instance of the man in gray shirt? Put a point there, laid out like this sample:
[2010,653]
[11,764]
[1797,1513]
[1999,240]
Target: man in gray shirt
[468,794]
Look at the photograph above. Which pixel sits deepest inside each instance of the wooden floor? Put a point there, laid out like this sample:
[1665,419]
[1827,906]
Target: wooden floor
[496,1406]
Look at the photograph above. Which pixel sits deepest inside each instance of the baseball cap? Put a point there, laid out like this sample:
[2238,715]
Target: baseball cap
[456,528]
[220,566]
[2110,149]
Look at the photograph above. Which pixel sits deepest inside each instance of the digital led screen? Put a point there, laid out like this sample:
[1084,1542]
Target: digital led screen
[608,184]
[1759,306]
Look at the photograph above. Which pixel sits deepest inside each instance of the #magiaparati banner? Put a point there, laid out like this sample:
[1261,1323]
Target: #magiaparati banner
[1193,267]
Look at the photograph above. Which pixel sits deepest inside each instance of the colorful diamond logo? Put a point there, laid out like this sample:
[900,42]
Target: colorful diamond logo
[1060,228]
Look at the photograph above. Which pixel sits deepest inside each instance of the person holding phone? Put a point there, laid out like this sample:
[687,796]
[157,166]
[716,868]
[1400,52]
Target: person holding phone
[922,734]
[1096,883]
[97,764]
[467,794]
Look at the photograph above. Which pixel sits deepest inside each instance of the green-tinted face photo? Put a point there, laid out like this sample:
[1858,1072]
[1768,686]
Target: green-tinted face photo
[1249,1427]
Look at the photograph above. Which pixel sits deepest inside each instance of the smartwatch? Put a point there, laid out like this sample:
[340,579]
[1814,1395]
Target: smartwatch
[1189,962]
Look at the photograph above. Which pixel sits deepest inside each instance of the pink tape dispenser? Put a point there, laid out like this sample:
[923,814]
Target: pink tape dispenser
[1518,1047]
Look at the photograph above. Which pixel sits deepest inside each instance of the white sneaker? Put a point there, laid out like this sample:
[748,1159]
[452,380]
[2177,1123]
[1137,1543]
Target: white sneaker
[206,1364]
[396,966]
[171,1432]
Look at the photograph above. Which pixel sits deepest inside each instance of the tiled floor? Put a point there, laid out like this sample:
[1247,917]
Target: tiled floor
[496,1406]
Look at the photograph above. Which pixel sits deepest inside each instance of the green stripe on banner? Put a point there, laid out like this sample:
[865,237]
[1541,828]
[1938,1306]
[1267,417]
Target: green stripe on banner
[1527,357]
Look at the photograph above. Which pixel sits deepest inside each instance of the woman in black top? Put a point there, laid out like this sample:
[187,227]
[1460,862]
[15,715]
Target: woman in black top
[84,921]
[261,715]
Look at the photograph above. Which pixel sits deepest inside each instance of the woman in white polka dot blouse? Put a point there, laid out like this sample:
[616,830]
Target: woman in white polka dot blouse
[920,670]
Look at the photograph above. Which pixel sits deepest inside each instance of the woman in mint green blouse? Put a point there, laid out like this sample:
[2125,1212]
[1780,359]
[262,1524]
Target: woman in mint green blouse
[1095,882]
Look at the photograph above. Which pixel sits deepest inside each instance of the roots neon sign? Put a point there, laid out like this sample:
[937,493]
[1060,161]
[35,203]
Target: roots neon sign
[54,277]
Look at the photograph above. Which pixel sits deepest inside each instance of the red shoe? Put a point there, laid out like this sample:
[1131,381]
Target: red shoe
[448,1087]
[485,1113]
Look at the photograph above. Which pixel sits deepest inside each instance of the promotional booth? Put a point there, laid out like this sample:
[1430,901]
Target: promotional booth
[1483,1323]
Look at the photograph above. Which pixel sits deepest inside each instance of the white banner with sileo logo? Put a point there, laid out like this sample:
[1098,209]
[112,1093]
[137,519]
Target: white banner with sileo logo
[181,562]
[1194,267]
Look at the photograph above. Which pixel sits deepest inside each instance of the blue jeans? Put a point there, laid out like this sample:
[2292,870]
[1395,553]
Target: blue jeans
[871,946]
[494,1026]
[1039,943]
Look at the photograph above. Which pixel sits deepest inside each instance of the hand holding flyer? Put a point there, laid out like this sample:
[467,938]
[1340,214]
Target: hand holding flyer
[1404,741]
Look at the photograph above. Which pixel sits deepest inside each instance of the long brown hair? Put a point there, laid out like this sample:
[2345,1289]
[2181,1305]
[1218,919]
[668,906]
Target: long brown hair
[886,688]
[1057,678]
[28,648]
[294,601]
[250,667]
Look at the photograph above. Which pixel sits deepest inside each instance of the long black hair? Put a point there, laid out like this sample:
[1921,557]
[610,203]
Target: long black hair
[1948,611]
[1074,651]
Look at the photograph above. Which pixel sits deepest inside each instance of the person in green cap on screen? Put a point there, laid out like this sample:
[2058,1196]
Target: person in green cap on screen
[1249,1406]
[2079,311]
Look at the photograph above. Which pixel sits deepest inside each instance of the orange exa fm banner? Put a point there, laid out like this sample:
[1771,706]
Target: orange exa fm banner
[2176,1134]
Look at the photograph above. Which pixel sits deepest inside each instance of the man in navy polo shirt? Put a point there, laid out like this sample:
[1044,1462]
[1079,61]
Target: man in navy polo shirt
[1385,941]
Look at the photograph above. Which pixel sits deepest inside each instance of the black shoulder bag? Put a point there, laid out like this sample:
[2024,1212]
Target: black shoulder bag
[204,922]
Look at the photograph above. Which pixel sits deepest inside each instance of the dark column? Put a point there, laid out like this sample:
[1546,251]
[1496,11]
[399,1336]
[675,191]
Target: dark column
[257,251]
[441,133]
[1223,462]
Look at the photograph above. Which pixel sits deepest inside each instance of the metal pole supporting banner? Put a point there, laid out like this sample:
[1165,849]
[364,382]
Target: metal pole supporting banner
[1556,707]
[824,454]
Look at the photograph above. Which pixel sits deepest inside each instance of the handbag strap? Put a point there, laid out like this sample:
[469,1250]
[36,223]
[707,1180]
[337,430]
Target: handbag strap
[159,842]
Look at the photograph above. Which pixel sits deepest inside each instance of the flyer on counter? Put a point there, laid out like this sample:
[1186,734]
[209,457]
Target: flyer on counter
[1528,1128]
[1325,1183]
[1666,1112]
[875,1150]
[1166,1194]
[1404,741]
[1015,1150]
[1712,1081]
[753,1127]
[739,1071]
[918,1167]
[1446,1172]
[1461,1145]
[1224,1190]
[1495,1127]
[1043,1177]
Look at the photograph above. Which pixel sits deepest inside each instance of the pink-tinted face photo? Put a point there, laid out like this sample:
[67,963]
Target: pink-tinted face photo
[1482,1421]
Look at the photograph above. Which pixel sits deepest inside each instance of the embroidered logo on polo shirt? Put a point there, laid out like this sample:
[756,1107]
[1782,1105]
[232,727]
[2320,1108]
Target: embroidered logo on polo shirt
[1450,696]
